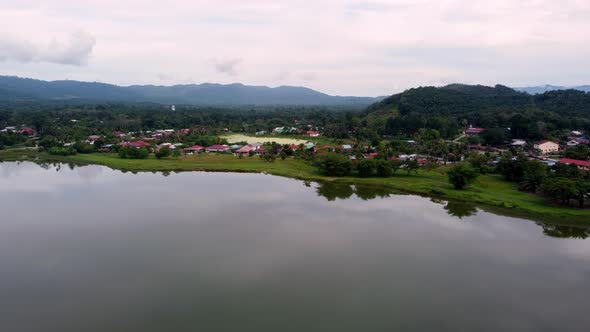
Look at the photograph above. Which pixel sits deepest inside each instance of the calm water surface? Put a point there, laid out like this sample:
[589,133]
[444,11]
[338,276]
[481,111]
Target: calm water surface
[92,249]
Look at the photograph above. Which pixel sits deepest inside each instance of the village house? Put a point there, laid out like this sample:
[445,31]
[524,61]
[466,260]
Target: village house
[581,164]
[260,151]
[245,150]
[137,144]
[217,148]
[572,143]
[312,133]
[471,131]
[119,134]
[26,131]
[546,147]
[193,149]
[518,143]
[7,129]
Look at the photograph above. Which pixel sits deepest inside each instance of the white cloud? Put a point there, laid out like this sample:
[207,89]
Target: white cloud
[352,47]
[228,66]
[75,51]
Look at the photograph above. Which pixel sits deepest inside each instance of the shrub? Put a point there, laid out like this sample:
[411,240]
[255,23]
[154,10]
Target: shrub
[62,151]
[461,175]
[367,167]
[133,153]
[83,147]
[333,164]
[384,168]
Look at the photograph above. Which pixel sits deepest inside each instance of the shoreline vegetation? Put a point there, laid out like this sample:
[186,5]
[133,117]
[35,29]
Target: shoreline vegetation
[488,192]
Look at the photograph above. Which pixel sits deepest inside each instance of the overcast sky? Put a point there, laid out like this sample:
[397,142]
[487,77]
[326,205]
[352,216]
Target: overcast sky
[336,46]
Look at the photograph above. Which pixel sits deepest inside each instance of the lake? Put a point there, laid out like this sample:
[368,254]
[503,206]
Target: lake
[94,249]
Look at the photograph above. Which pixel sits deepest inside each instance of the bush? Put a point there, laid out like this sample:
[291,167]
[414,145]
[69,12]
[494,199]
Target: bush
[333,164]
[269,157]
[384,168]
[163,152]
[461,175]
[83,147]
[367,167]
[62,151]
[133,153]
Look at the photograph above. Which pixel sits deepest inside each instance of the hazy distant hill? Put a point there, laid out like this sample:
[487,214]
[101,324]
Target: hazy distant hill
[544,88]
[15,88]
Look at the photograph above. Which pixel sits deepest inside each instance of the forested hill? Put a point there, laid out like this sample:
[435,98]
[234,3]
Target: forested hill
[16,89]
[454,106]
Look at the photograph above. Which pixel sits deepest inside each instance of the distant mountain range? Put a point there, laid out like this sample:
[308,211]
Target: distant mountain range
[15,89]
[544,88]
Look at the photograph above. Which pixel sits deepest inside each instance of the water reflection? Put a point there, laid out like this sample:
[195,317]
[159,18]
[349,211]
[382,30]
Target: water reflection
[460,209]
[565,231]
[107,251]
[332,191]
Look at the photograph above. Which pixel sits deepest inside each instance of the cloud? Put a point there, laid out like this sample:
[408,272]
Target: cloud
[76,51]
[228,66]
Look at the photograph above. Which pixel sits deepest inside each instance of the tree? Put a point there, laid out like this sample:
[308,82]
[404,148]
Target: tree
[512,168]
[411,165]
[562,189]
[127,152]
[534,175]
[579,152]
[582,191]
[163,152]
[367,167]
[396,164]
[384,168]
[461,175]
[83,147]
[283,155]
[269,157]
[333,164]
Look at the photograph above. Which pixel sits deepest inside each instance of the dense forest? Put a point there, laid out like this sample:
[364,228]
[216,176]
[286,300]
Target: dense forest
[500,109]
[504,112]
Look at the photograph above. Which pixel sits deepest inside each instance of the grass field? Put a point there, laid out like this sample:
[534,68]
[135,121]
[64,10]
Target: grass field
[233,138]
[489,192]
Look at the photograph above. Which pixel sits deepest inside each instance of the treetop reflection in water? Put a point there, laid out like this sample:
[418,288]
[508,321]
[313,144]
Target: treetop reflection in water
[93,249]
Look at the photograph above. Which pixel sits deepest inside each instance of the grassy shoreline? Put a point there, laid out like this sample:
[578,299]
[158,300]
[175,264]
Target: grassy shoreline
[489,192]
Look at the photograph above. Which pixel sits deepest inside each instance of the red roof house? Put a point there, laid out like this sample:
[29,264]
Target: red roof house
[474,131]
[218,148]
[26,131]
[582,164]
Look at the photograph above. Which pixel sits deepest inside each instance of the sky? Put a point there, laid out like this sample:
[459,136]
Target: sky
[341,47]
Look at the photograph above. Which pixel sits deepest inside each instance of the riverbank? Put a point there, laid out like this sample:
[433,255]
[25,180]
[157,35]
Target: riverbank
[489,192]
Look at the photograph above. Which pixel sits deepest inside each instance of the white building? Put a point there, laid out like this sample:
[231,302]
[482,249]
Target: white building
[546,147]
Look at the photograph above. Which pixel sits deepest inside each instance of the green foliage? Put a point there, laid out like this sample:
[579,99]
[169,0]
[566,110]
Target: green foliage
[332,164]
[163,152]
[367,167]
[269,157]
[562,189]
[127,152]
[62,150]
[83,147]
[47,142]
[579,152]
[534,175]
[461,175]
[384,168]
[411,165]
